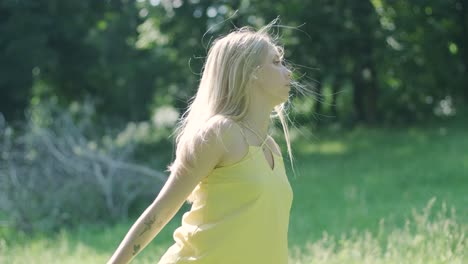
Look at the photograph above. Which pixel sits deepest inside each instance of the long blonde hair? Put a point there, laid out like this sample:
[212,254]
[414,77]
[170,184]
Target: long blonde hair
[223,89]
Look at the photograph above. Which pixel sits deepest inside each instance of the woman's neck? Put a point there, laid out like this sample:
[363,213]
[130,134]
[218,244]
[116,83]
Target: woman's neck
[258,119]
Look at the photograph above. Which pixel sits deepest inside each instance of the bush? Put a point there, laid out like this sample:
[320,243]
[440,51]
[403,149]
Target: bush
[55,170]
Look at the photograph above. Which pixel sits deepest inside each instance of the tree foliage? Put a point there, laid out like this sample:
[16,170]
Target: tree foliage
[374,61]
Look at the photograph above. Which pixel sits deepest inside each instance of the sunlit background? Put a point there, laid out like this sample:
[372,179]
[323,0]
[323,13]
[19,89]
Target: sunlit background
[91,91]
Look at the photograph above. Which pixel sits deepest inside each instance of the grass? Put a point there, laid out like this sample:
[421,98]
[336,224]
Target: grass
[351,180]
[362,196]
[421,240]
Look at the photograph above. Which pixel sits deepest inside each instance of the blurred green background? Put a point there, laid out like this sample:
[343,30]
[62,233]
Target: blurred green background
[91,90]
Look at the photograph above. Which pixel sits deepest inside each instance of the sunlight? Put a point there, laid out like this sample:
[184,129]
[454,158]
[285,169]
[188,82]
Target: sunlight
[326,148]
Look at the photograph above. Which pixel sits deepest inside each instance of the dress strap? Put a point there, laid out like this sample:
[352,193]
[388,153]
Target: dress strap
[243,135]
[263,142]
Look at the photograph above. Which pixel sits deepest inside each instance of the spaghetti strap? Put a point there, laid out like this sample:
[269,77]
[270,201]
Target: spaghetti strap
[264,141]
[243,134]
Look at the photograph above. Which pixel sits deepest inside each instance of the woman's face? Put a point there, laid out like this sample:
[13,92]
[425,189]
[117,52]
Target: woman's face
[272,78]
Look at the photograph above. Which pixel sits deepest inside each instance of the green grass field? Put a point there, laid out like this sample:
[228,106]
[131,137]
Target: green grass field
[394,195]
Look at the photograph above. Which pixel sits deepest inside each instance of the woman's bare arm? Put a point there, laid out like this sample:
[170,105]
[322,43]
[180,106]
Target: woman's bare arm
[172,196]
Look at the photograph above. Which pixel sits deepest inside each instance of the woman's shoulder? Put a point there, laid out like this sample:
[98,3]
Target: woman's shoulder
[225,129]
[218,123]
[228,134]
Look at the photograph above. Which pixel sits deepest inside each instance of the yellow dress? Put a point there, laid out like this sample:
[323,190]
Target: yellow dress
[241,215]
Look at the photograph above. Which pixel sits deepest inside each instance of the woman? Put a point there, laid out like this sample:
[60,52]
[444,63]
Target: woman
[226,163]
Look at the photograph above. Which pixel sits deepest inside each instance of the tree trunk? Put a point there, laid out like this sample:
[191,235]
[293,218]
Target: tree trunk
[318,106]
[371,95]
[463,43]
[358,94]
[364,81]
[335,90]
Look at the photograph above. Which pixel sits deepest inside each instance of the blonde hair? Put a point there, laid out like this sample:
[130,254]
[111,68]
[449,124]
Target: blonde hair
[223,91]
